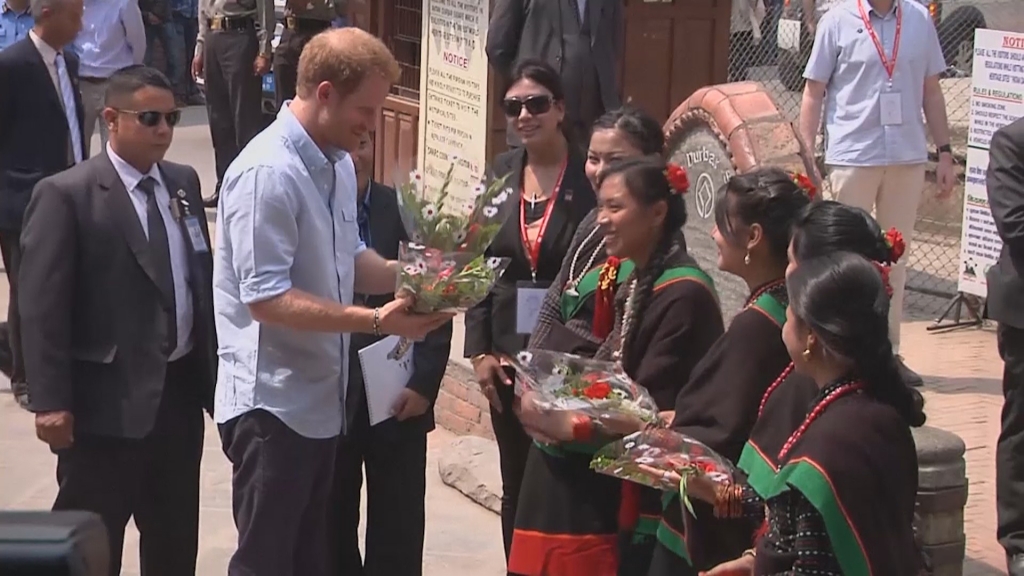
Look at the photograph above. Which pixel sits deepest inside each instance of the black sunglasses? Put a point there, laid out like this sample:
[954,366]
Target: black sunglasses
[151,118]
[534,105]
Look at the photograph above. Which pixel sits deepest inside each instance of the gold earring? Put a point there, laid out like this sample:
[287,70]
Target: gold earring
[806,354]
[746,259]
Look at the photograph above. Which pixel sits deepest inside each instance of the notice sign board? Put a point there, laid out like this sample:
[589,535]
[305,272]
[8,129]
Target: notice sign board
[997,99]
[454,104]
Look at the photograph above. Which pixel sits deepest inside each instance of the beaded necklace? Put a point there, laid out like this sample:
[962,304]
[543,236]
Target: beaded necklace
[574,281]
[767,287]
[627,321]
[764,399]
[843,389]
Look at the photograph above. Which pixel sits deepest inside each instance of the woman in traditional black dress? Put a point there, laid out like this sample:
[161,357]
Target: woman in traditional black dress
[838,489]
[549,195]
[565,322]
[665,317]
[754,213]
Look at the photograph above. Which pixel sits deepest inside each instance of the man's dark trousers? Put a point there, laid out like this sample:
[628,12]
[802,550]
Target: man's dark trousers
[1010,448]
[10,246]
[154,479]
[280,485]
[233,93]
[396,486]
[286,56]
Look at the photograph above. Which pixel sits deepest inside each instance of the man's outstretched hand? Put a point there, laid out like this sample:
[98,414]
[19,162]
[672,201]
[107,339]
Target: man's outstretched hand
[395,318]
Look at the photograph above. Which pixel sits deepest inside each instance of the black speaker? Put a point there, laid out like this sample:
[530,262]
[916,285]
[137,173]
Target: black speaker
[68,543]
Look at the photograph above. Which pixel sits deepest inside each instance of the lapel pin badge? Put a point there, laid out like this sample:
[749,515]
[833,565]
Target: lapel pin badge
[568,195]
[181,193]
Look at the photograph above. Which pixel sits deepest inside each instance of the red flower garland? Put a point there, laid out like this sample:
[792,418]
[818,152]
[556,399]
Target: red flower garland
[805,184]
[677,178]
[894,240]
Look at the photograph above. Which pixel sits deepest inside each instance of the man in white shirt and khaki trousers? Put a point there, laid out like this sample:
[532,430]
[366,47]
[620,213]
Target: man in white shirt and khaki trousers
[874,67]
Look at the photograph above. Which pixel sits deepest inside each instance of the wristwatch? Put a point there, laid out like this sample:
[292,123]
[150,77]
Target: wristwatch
[945,148]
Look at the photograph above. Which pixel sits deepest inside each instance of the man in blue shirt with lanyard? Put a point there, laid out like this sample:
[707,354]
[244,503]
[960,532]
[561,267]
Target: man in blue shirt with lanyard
[15,21]
[873,96]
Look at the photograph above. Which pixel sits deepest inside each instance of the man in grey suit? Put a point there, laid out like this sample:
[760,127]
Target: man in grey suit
[119,340]
[582,39]
[1006,306]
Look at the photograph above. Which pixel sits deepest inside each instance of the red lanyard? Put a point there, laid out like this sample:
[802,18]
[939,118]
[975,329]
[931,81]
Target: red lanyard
[533,248]
[889,65]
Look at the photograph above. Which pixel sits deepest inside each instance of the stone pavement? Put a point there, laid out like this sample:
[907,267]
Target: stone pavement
[963,394]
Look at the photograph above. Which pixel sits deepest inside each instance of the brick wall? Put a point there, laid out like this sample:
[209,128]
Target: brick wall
[460,406]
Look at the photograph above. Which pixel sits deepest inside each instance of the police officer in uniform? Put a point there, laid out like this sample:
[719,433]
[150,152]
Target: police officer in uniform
[303,20]
[233,52]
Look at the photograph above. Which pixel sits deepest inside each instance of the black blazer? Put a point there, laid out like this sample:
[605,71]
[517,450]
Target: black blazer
[1005,181]
[491,325]
[94,325]
[34,139]
[527,29]
[430,357]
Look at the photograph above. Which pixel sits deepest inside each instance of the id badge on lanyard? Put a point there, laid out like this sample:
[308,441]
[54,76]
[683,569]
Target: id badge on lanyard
[530,295]
[890,101]
[182,212]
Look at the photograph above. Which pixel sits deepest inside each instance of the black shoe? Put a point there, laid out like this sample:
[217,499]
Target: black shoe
[910,378]
[212,201]
[1015,565]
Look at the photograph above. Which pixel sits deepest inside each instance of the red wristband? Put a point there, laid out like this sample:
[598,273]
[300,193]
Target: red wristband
[582,428]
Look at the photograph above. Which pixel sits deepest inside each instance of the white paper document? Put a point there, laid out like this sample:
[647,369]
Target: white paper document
[384,378]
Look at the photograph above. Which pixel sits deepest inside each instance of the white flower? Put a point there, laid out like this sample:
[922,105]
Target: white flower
[415,177]
[429,210]
[493,263]
[416,237]
[500,198]
[460,236]
[414,246]
[620,394]
[561,370]
[479,189]
[490,211]
[421,266]
[645,460]
[524,357]
[411,269]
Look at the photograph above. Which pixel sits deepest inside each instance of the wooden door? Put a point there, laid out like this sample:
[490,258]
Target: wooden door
[672,48]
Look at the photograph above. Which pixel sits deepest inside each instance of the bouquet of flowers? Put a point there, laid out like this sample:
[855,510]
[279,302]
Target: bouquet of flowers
[437,221]
[601,390]
[661,459]
[446,280]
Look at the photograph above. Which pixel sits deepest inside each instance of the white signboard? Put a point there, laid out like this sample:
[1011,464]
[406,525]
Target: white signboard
[454,103]
[997,99]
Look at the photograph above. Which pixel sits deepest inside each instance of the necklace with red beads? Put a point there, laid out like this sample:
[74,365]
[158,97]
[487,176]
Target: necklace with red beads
[773,285]
[839,390]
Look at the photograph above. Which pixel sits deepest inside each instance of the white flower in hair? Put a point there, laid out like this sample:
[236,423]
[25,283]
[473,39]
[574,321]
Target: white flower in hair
[490,211]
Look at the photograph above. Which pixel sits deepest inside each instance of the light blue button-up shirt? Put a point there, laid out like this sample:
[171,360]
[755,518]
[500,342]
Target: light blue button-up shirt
[14,25]
[845,58]
[112,37]
[287,219]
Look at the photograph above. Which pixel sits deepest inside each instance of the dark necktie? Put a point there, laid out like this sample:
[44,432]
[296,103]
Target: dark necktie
[160,250]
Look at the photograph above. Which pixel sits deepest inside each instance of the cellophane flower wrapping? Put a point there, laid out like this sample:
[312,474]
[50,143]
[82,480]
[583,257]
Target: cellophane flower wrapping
[446,280]
[566,382]
[660,450]
[450,220]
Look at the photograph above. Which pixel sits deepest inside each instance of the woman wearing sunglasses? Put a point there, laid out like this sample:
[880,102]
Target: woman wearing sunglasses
[549,195]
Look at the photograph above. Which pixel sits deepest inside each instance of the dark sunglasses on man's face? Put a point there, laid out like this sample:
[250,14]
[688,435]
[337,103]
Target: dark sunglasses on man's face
[534,105]
[151,118]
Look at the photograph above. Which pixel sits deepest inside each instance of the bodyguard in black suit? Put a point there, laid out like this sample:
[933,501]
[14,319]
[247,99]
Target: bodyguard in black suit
[40,134]
[120,347]
[395,450]
[580,39]
[1006,306]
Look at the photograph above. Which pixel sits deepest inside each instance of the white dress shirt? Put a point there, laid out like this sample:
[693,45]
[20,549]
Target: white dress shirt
[112,37]
[131,177]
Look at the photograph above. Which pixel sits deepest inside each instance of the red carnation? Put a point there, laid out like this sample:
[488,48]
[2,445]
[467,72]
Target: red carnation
[677,178]
[805,184]
[598,391]
[884,271]
[894,240]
